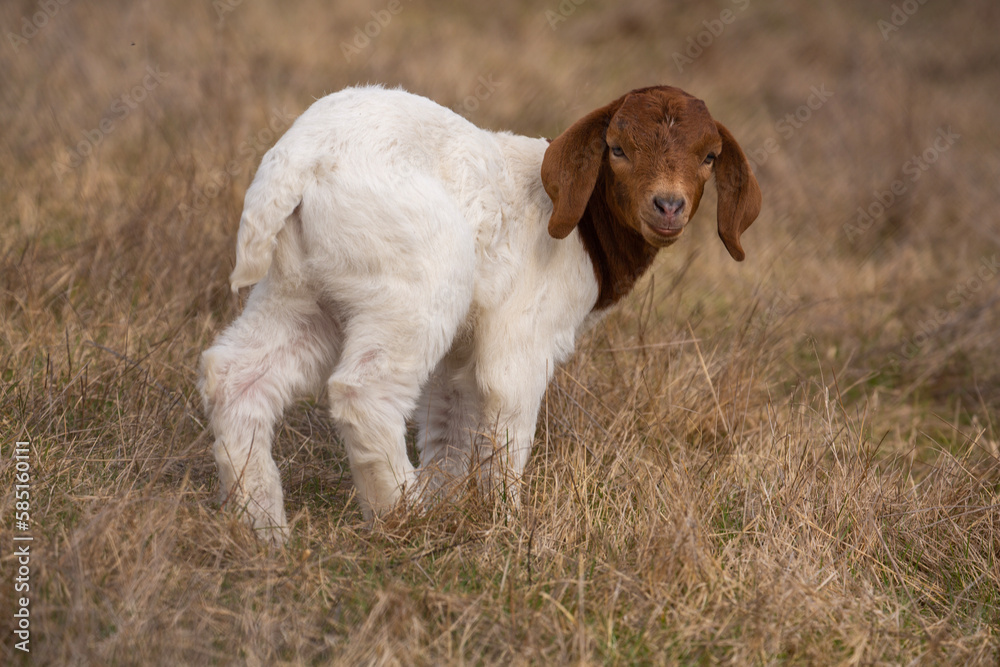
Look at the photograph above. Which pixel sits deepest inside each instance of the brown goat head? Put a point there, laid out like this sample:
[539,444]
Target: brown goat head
[652,150]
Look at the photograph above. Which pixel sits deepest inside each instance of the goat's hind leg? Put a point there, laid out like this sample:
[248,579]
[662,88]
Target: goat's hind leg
[402,322]
[387,357]
[279,349]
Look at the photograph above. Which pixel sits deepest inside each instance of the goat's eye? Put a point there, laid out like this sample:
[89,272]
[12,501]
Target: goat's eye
[709,159]
[617,151]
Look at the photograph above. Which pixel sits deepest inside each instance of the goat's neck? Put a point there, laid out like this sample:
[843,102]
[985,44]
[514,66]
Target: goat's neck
[619,253]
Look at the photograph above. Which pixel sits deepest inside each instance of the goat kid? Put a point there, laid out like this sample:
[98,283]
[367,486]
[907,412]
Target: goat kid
[417,266]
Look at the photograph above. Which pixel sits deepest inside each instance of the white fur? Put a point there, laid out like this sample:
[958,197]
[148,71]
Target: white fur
[401,258]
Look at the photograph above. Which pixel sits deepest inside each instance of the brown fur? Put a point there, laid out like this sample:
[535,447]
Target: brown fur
[629,205]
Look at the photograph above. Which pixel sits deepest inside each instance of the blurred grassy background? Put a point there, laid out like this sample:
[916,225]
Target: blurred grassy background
[823,488]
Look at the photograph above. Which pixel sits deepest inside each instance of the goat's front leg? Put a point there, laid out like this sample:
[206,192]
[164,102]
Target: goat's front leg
[448,424]
[512,388]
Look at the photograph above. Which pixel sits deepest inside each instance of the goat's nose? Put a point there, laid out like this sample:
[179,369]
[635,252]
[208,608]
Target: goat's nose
[669,206]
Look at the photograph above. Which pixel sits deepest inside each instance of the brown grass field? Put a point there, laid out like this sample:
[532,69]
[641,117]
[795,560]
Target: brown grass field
[793,460]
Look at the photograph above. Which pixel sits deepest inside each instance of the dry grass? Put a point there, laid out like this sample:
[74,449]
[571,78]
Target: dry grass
[793,460]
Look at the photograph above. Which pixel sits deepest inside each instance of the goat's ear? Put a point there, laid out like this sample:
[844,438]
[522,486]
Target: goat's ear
[570,167]
[739,194]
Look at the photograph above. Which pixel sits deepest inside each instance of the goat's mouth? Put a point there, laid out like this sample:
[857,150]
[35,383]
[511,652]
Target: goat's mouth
[663,234]
[667,231]
[664,221]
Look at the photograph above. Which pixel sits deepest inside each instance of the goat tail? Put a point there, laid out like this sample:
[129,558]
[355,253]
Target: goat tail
[272,197]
